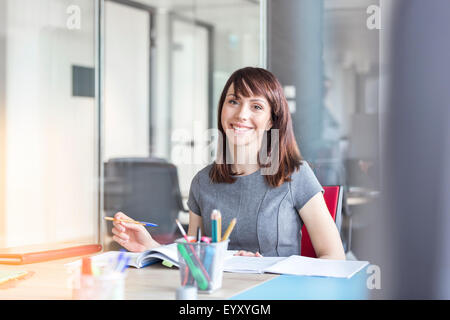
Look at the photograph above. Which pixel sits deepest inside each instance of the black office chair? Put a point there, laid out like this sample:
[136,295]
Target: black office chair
[145,189]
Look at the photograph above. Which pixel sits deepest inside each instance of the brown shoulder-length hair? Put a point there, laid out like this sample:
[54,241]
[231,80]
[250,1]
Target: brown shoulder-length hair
[248,82]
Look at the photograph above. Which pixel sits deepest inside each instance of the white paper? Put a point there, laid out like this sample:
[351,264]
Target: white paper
[304,266]
[242,264]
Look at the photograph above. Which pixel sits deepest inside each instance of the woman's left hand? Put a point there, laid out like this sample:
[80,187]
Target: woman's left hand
[247,254]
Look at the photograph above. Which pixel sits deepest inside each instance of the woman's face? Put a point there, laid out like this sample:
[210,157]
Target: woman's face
[244,120]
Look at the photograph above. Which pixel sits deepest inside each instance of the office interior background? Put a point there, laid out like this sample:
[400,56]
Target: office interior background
[86,82]
[92,89]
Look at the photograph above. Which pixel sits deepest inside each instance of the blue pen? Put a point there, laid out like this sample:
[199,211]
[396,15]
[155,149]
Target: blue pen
[125,266]
[143,223]
[118,266]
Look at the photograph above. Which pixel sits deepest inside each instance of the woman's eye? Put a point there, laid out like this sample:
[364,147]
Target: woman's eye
[258,107]
[233,101]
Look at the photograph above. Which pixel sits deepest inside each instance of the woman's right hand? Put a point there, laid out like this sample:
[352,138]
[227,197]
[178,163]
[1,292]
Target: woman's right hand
[131,236]
[247,254]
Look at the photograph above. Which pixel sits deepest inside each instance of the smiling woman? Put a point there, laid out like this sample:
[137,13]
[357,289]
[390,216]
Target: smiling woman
[253,99]
[270,208]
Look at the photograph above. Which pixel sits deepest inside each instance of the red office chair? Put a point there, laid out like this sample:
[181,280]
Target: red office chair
[333,200]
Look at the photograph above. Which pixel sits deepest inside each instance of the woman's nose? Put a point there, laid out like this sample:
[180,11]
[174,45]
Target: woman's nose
[243,113]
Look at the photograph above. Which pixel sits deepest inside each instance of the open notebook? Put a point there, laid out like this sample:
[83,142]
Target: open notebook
[294,265]
[137,259]
[166,252]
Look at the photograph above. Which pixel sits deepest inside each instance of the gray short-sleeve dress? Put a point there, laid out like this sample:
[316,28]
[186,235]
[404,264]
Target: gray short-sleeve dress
[267,217]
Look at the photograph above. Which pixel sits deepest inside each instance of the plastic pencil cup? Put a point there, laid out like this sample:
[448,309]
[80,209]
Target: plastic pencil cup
[109,286]
[201,264]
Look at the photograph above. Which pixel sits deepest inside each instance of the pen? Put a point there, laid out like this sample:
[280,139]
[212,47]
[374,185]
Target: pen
[120,257]
[125,265]
[148,224]
[199,234]
[229,229]
[183,233]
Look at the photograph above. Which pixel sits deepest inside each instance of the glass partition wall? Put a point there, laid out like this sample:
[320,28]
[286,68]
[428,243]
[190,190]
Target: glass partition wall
[105,105]
[349,148]
[166,63]
[88,85]
[49,122]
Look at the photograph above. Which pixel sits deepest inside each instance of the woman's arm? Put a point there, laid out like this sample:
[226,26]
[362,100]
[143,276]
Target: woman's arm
[322,229]
[195,221]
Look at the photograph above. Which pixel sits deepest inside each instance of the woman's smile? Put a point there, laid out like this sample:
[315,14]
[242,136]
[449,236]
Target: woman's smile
[239,128]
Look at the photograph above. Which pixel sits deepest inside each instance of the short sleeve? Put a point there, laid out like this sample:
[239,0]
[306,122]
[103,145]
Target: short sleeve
[304,185]
[194,192]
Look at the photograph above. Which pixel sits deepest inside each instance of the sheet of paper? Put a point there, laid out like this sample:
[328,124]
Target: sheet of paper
[240,264]
[304,266]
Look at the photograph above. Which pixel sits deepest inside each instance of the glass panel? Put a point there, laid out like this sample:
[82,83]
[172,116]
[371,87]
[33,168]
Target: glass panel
[351,77]
[350,153]
[127,81]
[224,36]
[194,48]
[48,128]
[326,55]
[127,110]
[190,76]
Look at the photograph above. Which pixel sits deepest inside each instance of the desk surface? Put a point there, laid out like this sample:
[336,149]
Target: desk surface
[51,281]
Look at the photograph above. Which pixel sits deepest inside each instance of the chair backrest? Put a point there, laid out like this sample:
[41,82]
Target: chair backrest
[333,200]
[145,189]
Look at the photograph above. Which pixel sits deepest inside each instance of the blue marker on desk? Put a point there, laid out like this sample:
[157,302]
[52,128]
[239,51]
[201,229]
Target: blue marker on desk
[209,255]
[125,265]
[119,263]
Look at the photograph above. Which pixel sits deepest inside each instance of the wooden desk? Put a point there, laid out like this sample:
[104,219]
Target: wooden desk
[51,281]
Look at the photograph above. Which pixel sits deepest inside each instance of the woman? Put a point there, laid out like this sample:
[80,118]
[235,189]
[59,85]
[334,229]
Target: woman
[259,177]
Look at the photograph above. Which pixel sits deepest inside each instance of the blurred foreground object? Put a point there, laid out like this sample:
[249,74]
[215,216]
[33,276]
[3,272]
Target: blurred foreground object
[410,239]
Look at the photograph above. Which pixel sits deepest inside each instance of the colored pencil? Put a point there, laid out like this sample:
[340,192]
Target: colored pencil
[229,229]
[183,233]
[216,220]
